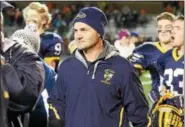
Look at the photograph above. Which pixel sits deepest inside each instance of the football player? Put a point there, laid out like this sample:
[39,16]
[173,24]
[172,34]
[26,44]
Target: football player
[51,43]
[171,64]
[169,110]
[145,55]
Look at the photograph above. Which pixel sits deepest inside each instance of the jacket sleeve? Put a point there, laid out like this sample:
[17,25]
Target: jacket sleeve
[138,59]
[4,96]
[154,93]
[135,104]
[24,76]
[57,102]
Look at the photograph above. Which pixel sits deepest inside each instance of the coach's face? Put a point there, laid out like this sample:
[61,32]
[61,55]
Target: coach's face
[85,36]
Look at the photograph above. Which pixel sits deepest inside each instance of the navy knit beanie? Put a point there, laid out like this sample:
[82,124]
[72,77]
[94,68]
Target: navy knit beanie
[94,17]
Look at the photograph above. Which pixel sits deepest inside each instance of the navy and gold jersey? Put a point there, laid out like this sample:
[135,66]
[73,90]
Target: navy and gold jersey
[144,58]
[171,67]
[51,45]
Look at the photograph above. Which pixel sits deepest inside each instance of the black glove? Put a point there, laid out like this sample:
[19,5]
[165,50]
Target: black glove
[56,123]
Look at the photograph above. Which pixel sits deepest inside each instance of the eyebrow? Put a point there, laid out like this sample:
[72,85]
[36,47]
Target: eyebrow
[74,29]
[165,27]
[168,25]
[178,27]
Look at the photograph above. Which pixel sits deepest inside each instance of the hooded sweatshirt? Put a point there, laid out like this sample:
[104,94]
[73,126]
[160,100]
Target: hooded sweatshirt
[104,93]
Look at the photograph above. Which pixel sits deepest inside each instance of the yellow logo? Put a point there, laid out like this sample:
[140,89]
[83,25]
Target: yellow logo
[108,74]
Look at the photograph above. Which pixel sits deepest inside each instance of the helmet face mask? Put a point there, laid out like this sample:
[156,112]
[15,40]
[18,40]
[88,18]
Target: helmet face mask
[165,114]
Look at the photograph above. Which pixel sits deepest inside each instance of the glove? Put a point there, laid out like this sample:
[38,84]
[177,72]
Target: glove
[56,123]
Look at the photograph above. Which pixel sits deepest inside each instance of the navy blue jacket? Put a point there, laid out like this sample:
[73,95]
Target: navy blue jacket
[23,75]
[41,110]
[94,94]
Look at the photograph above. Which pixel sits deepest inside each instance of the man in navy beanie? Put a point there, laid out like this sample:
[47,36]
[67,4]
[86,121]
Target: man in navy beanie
[96,87]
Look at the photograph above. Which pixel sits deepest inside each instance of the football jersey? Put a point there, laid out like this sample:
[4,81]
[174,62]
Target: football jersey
[145,56]
[171,67]
[51,45]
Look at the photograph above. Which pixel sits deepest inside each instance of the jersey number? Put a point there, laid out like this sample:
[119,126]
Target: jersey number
[58,49]
[174,74]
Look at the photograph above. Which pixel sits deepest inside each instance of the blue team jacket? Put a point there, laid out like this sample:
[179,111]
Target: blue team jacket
[105,93]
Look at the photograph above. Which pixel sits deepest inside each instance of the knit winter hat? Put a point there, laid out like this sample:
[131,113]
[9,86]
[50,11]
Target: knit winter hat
[29,37]
[94,17]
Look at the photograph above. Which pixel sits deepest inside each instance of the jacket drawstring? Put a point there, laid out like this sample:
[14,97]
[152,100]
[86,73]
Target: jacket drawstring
[95,68]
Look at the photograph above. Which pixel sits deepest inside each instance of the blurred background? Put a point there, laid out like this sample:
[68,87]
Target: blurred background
[134,16]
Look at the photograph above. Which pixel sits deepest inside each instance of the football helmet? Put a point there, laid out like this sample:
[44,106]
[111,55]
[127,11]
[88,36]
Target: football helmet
[168,112]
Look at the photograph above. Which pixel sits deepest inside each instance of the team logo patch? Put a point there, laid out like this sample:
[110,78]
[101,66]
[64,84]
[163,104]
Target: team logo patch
[81,15]
[108,74]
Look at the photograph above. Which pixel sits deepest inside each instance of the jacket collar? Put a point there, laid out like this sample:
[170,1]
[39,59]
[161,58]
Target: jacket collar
[108,52]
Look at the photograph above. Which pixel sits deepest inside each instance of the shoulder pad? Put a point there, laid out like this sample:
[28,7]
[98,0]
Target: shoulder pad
[166,55]
[145,47]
